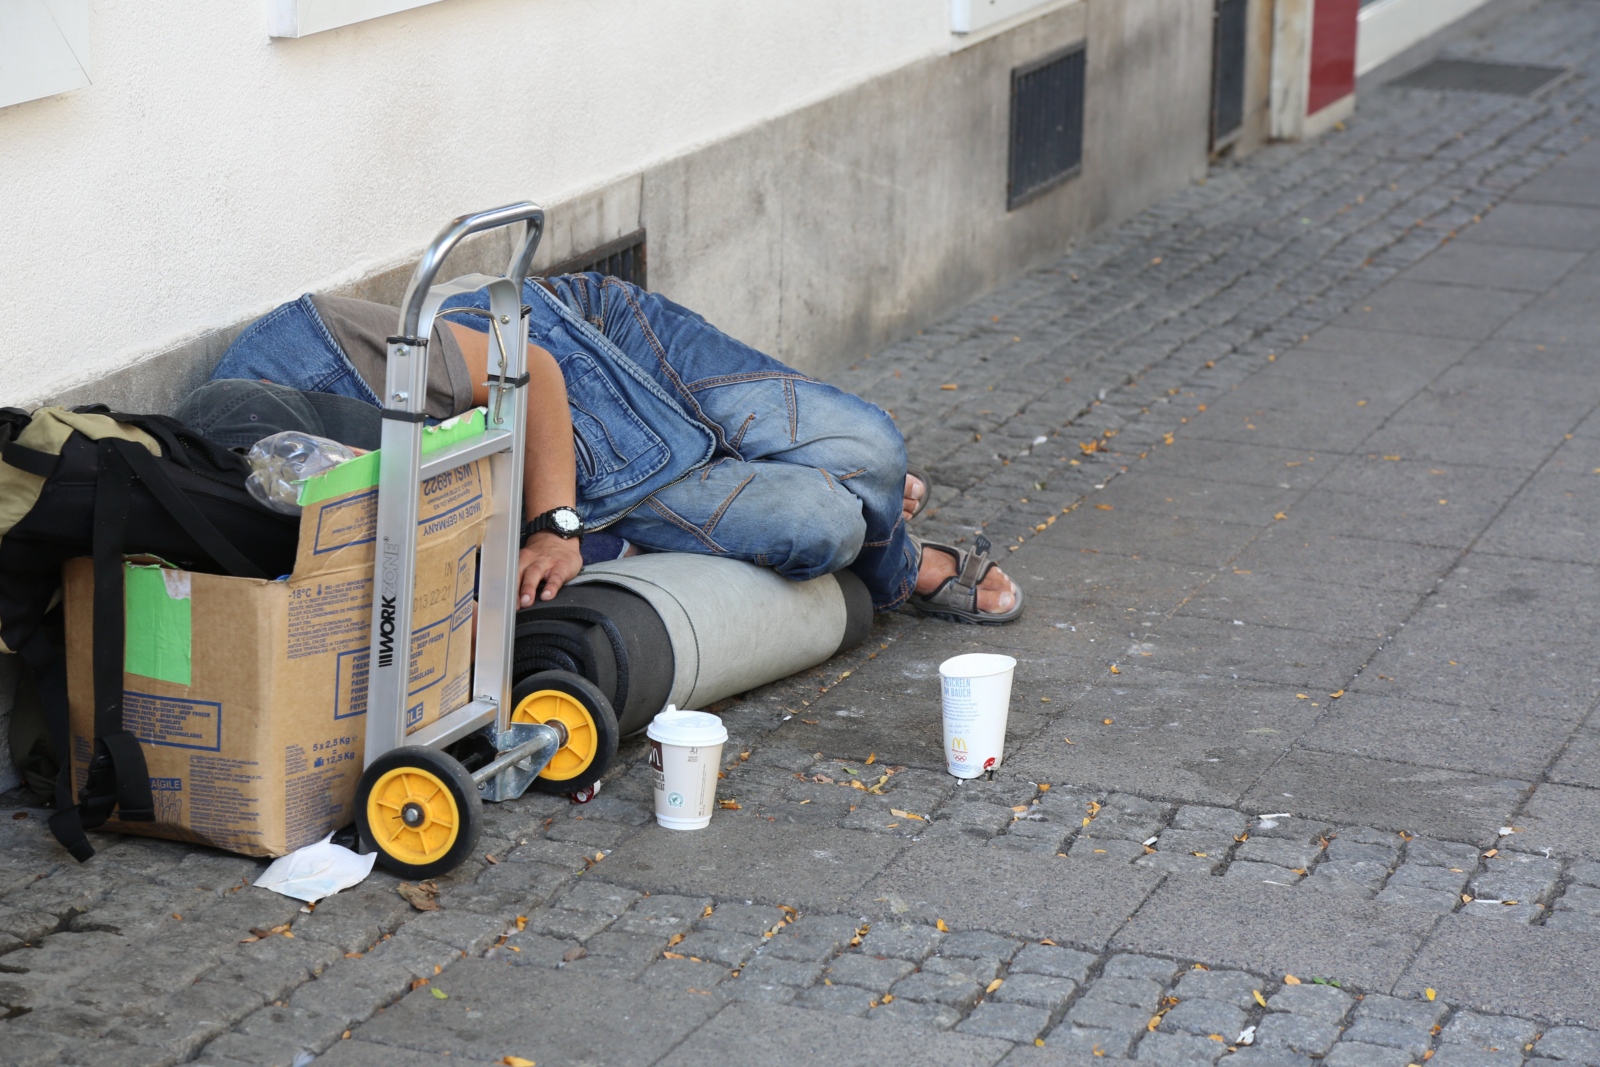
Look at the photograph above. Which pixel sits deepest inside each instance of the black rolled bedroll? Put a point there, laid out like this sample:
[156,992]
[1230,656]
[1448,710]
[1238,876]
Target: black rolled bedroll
[688,630]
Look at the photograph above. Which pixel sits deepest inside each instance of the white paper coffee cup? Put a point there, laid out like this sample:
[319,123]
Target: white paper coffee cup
[977,702]
[685,752]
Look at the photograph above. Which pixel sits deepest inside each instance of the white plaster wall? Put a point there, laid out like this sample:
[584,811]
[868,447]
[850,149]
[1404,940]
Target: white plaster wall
[210,172]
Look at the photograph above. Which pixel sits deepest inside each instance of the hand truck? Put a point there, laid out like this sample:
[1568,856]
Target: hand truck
[417,804]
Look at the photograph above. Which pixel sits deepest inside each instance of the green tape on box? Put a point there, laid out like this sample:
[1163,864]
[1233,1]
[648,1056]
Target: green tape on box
[159,629]
[362,472]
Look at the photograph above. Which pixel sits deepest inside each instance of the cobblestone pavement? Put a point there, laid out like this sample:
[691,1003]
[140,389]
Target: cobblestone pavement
[1299,470]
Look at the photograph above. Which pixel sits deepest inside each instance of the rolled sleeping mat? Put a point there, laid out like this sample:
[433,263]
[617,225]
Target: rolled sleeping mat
[685,629]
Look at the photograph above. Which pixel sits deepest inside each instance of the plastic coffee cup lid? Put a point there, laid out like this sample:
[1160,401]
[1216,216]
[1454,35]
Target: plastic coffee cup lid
[691,729]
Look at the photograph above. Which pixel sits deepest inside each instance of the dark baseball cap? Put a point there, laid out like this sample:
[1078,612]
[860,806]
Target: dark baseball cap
[238,412]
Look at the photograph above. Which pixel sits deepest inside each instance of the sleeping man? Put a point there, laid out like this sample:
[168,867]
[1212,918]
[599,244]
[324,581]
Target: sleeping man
[648,430]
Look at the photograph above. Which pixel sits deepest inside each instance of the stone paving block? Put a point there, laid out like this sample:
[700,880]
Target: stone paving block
[1116,850]
[1222,821]
[1053,960]
[1584,873]
[906,941]
[977,944]
[1215,844]
[490,1005]
[914,1013]
[355,918]
[1580,898]
[1132,965]
[1269,929]
[1246,870]
[587,894]
[588,832]
[1464,1056]
[1018,894]
[1422,850]
[532,950]
[1306,1035]
[1573,1044]
[1425,899]
[1100,1014]
[239,1048]
[1389,1033]
[1491,1032]
[869,972]
[1088,1041]
[662,913]
[1503,911]
[742,918]
[422,956]
[365,1054]
[783,972]
[189,1018]
[1037,990]
[952,990]
[640,947]
[1357,1054]
[812,938]
[1538,972]
[686,975]
[1205,1017]
[1268,1057]
[1140,994]
[1517,876]
[720,946]
[1326,1003]
[567,924]
[981,971]
[1450,880]
[460,930]
[1277,851]
[1180,863]
[1010,1022]
[836,999]
[1178,1049]
[760,992]
[1420,1013]
[792,1036]
[805,867]
[1228,987]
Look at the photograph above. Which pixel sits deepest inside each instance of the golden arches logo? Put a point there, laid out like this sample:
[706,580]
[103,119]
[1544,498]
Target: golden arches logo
[959,744]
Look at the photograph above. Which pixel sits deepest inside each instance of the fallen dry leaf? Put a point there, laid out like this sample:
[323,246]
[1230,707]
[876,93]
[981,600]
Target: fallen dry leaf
[418,983]
[1115,670]
[1290,979]
[439,994]
[729,805]
[1261,1000]
[673,956]
[872,757]
[1430,993]
[577,952]
[424,896]
[522,923]
[1103,507]
[996,984]
[516,1061]
[943,929]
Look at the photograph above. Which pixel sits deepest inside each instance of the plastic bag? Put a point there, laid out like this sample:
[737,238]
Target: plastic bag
[281,463]
[318,870]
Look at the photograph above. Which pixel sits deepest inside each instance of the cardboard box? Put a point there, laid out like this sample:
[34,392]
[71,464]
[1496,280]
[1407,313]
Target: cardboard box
[249,697]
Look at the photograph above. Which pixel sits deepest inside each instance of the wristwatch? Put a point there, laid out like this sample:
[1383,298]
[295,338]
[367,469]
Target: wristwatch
[563,522]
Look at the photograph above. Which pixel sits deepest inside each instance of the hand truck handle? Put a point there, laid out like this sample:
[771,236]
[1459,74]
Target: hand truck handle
[453,234]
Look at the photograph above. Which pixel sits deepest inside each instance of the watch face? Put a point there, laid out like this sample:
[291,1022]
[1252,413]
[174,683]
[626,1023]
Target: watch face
[566,520]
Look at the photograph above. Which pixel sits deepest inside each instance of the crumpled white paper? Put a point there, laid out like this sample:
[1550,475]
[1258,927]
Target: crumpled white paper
[318,870]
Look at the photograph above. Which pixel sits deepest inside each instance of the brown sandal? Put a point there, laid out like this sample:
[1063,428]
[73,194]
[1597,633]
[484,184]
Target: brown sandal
[956,599]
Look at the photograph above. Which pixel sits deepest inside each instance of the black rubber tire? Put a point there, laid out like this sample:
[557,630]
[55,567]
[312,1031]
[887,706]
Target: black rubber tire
[599,710]
[463,792]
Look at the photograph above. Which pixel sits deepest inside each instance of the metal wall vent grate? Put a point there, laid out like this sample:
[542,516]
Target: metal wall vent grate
[1046,125]
[623,258]
[1474,76]
[1230,34]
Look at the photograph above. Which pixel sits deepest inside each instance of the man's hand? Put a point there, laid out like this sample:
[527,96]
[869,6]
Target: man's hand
[549,560]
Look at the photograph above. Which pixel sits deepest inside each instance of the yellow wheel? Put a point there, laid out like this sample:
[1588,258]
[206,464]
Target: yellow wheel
[581,709]
[419,809]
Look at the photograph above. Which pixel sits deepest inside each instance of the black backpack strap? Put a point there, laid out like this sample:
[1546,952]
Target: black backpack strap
[118,777]
[49,671]
[183,510]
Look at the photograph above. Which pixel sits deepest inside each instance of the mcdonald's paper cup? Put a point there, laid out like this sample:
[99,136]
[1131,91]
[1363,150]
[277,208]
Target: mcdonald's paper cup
[685,751]
[977,701]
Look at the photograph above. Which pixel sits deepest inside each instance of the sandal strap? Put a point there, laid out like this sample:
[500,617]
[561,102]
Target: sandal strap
[975,566]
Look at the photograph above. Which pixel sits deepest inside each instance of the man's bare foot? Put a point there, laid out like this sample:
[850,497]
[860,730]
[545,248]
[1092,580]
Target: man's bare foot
[916,492]
[996,593]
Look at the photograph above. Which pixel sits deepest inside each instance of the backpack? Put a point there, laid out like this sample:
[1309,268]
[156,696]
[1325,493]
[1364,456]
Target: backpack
[91,482]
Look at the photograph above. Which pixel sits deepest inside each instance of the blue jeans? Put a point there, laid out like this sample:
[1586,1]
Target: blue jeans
[687,440]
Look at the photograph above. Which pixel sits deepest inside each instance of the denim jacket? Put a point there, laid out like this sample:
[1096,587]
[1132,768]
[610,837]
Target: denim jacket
[636,427]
